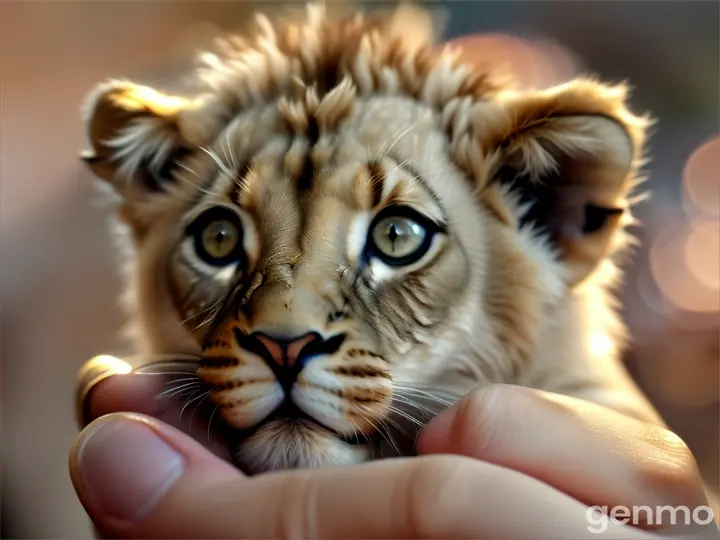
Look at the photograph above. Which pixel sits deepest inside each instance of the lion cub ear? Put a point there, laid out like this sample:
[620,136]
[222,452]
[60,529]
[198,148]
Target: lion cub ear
[135,135]
[571,156]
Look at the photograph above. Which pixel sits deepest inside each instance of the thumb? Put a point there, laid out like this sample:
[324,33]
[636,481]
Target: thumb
[124,465]
[140,478]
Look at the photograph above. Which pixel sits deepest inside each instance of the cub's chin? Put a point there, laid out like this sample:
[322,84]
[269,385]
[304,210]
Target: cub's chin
[297,443]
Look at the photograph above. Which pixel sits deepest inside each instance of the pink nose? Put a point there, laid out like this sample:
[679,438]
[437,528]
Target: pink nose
[285,352]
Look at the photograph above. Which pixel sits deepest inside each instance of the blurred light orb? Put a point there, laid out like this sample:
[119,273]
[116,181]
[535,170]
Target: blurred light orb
[671,269]
[702,253]
[652,298]
[701,177]
[526,63]
[560,63]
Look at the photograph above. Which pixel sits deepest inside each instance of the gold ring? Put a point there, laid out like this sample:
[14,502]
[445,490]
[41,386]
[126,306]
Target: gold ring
[95,370]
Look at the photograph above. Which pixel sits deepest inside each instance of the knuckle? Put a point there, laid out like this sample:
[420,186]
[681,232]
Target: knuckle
[434,493]
[668,466]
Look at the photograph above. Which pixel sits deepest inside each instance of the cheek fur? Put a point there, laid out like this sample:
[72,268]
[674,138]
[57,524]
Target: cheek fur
[410,308]
[345,393]
[241,384]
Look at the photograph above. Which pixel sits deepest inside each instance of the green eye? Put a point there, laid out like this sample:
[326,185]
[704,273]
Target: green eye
[217,236]
[400,238]
[219,239]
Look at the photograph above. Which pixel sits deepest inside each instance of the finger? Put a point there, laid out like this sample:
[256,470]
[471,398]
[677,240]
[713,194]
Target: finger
[105,387]
[136,390]
[593,454]
[93,372]
[131,392]
[140,478]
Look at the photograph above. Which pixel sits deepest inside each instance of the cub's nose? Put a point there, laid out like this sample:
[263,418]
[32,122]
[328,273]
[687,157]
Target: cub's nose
[285,352]
[287,356]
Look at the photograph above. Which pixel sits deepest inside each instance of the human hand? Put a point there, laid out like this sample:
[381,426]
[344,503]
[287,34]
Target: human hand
[640,473]
[529,466]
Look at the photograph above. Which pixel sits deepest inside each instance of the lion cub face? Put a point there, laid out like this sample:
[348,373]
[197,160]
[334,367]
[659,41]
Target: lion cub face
[332,250]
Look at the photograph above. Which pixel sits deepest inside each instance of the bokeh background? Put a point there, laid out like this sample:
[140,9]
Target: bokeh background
[59,287]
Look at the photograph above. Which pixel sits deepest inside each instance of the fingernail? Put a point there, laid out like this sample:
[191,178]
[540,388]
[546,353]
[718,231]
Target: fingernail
[439,429]
[125,467]
[435,436]
[446,428]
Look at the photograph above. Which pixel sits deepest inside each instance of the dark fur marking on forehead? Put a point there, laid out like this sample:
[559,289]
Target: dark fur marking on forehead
[307,174]
[377,180]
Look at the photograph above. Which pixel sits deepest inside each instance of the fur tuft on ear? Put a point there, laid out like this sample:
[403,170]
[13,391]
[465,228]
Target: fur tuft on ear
[571,154]
[135,135]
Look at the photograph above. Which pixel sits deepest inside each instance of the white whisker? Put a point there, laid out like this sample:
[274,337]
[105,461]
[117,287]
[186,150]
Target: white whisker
[188,169]
[399,166]
[184,379]
[191,184]
[210,317]
[210,422]
[170,392]
[223,167]
[397,139]
[174,373]
[199,403]
[206,310]
[394,423]
[384,434]
[383,152]
[405,415]
[204,394]
[417,409]
[180,393]
[232,159]
[416,396]
[434,395]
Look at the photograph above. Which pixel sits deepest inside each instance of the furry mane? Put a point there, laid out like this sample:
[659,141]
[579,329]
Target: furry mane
[316,54]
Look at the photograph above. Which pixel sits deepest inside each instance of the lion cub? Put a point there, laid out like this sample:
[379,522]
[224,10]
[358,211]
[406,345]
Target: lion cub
[351,229]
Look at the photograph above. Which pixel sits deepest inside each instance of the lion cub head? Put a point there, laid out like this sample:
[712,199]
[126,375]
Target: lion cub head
[342,220]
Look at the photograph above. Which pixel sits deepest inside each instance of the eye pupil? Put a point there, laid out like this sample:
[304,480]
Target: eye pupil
[393,234]
[220,236]
[217,237]
[399,239]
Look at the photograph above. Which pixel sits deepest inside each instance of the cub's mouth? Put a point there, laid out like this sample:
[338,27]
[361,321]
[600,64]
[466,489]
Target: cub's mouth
[290,439]
[288,414]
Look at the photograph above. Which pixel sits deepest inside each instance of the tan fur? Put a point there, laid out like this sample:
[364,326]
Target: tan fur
[305,132]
